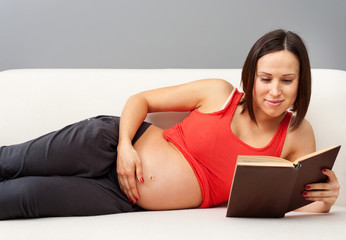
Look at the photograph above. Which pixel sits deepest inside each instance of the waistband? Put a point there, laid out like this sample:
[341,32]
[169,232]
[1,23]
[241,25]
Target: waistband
[144,126]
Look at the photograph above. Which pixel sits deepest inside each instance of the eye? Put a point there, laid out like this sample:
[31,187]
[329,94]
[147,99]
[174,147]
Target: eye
[287,80]
[265,79]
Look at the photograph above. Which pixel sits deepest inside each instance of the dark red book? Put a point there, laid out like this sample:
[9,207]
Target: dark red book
[265,186]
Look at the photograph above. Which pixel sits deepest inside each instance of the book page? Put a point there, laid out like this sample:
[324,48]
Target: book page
[315,154]
[263,161]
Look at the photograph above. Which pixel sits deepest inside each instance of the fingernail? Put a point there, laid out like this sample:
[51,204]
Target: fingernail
[137,199]
[133,202]
[305,193]
[324,170]
[307,187]
[129,200]
[141,180]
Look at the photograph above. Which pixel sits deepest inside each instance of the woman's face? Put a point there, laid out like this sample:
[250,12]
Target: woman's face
[276,83]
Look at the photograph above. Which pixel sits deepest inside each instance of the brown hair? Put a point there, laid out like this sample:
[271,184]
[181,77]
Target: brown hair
[271,42]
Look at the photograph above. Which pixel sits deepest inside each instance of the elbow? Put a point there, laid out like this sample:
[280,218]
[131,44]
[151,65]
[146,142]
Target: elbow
[139,101]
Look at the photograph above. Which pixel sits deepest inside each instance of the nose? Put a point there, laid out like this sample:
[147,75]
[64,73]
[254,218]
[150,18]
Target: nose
[275,89]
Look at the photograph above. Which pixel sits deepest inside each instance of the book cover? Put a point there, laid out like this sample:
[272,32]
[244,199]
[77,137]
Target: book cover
[270,187]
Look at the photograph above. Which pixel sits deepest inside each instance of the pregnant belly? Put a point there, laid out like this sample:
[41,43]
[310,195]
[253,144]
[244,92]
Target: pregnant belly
[169,181]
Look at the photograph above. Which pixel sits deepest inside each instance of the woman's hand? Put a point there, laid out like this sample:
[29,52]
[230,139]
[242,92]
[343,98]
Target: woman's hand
[128,166]
[326,193]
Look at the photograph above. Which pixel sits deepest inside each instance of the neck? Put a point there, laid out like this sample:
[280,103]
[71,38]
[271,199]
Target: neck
[266,122]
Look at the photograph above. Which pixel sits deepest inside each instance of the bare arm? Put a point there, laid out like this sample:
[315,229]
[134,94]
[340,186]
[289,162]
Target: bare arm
[324,194]
[183,97]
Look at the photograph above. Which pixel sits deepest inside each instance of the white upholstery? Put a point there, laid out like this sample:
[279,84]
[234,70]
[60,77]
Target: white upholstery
[37,101]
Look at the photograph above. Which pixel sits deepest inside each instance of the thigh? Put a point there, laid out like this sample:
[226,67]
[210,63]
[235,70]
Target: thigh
[86,148]
[51,196]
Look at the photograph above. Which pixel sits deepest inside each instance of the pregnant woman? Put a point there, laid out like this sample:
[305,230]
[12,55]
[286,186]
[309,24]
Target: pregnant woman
[107,164]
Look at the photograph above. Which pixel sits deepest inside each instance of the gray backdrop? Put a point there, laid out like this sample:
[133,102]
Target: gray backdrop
[162,33]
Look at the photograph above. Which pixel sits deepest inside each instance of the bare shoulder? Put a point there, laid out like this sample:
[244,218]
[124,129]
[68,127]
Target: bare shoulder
[300,141]
[217,92]
[217,85]
[185,97]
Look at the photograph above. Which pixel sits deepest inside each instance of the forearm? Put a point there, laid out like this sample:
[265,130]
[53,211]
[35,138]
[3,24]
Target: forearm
[129,166]
[133,115]
[315,207]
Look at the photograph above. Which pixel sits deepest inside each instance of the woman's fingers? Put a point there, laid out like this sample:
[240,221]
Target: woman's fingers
[321,186]
[330,174]
[127,182]
[139,170]
[127,166]
[323,196]
[325,192]
[129,188]
[128,191]
[320,194]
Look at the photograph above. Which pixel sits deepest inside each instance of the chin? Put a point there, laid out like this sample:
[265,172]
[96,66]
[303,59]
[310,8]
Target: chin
[272,112]
[275,114]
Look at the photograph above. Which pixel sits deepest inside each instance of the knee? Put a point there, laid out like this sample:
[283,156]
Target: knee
[18,198]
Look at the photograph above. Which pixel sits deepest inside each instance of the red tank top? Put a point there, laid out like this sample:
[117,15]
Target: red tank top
[208,144]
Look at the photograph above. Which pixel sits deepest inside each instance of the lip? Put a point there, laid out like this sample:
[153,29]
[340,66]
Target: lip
[274,103]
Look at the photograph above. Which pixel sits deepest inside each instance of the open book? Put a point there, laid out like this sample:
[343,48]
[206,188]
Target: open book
[265,186]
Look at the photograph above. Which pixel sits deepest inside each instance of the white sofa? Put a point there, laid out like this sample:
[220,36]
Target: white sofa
[36,101]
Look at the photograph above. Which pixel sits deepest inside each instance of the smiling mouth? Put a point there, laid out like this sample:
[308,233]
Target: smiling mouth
[274,103]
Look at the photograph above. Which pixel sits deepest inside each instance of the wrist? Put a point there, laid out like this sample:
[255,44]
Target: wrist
[327,207]
[124,143]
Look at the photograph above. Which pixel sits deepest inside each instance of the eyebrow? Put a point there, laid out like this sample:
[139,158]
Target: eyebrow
[287,74]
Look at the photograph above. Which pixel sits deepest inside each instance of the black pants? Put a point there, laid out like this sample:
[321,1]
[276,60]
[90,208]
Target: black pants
[70,172]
